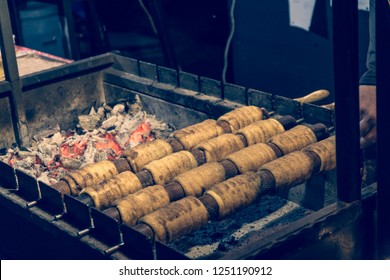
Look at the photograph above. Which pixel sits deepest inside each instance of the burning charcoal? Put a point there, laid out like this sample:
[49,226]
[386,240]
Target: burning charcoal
[55,152]
[162,130]
[46,150]
[118,109]
[89,154]
[89,122]
[107,142]
[140,135]
[71,163]
[23,152]
[100,156]
[135,106]
[25,164]
[101,112]
[92,112]
[57,139]
[45,134]
[73,148]
[121,139]
[129,124]
[114,121]
[46,160]
[26,154]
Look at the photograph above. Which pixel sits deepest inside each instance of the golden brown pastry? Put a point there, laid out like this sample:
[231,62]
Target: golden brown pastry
[218,148]
[141,203]
[290,170]
[326,150]
[147,152]
[241,117]
[294,139]
[105,193]
[261,131]
[235,193]
[90,175]
[195,134]
[252,157]
[197,180]
[167,168]
[177,219]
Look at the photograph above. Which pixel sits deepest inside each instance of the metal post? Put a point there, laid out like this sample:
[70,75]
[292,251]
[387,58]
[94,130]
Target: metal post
[163,34]
[12,76]
[346,84]
[383,131]
[69,28]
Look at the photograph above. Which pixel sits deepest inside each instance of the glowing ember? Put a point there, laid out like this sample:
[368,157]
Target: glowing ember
[141,134]
[73,150]
[107,143]
[57,152]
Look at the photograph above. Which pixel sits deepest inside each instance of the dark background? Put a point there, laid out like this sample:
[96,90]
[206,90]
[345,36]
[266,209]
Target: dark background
[266,52]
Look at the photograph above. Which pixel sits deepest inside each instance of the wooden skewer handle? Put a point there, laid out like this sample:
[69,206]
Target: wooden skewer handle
[330,106]
[314,96]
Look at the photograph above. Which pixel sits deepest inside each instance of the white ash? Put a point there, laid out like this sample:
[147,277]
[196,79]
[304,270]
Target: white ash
[92,112]
[135,106]
[101,112]
[91,121]
[46,133]
[90,152]
[102,134]
[113,122]
[118,109]
[57,139]
[71,163]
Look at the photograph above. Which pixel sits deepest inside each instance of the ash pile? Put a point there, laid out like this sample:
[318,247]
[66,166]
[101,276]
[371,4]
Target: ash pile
[255,222]
[103,134]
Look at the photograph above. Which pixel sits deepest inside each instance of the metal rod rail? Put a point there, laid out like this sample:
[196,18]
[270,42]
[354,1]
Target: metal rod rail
[383,131]
[346,80]
[12,76]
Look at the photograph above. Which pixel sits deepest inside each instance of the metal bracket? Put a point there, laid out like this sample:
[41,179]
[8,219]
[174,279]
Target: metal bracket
[317,114]
[106,229]
[78,215]
[52,200]
[136,245]
[8,177]
[287,106]
[28,188]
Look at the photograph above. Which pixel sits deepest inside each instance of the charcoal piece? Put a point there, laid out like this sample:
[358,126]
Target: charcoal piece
[3,151]
[89,122]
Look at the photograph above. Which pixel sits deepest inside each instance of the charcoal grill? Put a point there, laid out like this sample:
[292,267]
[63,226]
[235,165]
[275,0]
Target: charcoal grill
[38,222]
